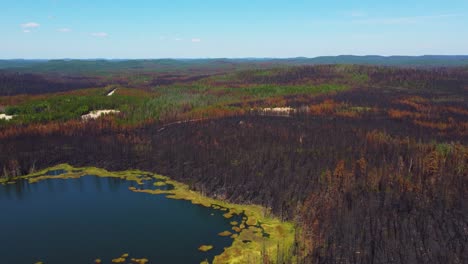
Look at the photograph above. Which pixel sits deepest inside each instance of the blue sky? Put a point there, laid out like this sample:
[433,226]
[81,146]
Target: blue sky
[222,28]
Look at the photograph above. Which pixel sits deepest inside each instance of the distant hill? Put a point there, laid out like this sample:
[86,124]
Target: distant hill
[411,61]
[198,66]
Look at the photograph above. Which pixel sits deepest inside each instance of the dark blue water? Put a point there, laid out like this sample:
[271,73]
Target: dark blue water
[79,220]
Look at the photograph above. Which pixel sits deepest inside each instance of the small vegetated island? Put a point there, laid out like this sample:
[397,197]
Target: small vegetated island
[264,161]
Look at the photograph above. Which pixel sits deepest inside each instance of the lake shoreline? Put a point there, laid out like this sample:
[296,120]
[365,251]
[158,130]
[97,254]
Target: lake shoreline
[258,236]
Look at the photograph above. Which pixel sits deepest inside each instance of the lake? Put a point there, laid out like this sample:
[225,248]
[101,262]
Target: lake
[80,220]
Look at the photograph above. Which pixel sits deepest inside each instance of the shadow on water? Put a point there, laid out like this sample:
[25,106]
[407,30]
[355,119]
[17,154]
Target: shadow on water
[79,220]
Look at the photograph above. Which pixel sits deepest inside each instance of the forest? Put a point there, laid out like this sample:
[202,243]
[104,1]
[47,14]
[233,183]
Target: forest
[369,161]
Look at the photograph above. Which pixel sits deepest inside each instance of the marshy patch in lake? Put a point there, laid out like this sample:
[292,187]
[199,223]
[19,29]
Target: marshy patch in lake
[69,215]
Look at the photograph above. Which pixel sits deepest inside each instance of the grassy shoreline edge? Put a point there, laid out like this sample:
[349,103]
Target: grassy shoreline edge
[250,244]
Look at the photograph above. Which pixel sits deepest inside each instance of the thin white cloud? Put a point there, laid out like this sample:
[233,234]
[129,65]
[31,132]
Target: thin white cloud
[26,31]
[30,25]
[403,20]
[100,34]
[178,39]
[64,30]
[196,40]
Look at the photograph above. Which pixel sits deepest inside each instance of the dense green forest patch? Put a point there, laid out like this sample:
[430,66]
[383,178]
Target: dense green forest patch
[159,104]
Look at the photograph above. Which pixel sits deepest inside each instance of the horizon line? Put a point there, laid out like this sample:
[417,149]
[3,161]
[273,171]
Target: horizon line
[240,58]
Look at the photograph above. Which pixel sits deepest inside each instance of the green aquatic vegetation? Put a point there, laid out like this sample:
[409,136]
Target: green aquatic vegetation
[225,233]
[228,215]
[118,260]
[280,234]
[73,173]
[205,248]
[251,221]
[123,259]
[241,252]
[160,183]
[139,261]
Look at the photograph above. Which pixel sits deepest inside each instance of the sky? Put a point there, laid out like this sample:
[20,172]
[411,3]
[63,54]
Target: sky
[52,29]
